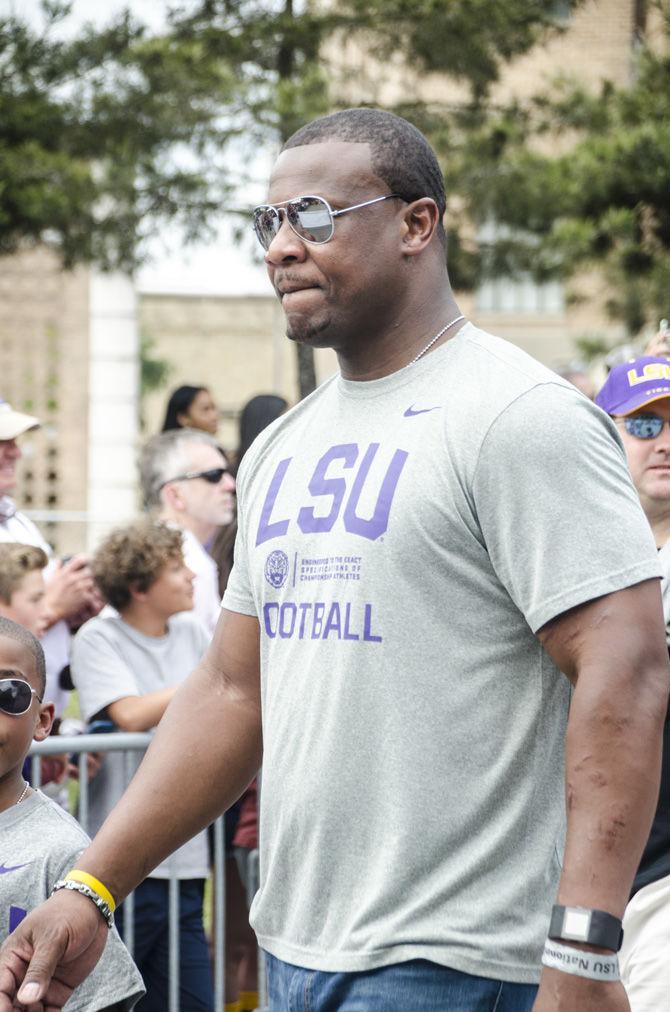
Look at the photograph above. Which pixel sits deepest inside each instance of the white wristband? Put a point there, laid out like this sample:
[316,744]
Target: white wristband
[592,965]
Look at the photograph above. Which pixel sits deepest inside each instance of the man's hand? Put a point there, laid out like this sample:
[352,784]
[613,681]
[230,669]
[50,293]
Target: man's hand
[563,992]
[50,953]
[70,590]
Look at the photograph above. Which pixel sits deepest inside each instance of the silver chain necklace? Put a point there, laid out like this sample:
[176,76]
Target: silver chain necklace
[437,336]
[23,793]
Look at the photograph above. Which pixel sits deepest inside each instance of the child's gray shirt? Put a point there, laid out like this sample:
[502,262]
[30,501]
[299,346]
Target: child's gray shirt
[40,844]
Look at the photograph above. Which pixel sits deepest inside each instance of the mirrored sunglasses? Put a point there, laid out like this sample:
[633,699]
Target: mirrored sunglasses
[16,696]
[311,218]
[213,476]
[644,426]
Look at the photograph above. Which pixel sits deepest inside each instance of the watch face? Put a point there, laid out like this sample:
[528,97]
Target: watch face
[576,924]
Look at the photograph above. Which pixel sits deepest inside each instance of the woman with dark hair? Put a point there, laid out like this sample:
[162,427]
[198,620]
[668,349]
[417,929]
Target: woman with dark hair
[191,407]
[256,415]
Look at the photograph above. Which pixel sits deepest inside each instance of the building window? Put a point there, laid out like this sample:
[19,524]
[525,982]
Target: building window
[518,296]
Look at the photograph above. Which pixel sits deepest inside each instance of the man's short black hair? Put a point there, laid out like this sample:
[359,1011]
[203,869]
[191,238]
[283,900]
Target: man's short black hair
[401,155]
[14,631]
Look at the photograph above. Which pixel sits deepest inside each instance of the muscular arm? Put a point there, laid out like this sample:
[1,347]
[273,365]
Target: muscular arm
[613,650]
[205,752]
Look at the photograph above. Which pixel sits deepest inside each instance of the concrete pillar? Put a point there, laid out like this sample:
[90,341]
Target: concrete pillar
[114,403]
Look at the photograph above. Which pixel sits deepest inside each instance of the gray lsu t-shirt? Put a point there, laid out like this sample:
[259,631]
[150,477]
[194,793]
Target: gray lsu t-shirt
[111,660]
[401,541]
[40,844]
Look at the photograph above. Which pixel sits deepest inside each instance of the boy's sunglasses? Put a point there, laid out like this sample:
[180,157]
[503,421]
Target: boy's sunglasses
[16,696]
[213,476]
[644,426]
[311,218]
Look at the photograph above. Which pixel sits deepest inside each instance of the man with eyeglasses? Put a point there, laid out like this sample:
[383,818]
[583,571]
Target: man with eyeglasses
[637,396]
[186,482]
[424,544]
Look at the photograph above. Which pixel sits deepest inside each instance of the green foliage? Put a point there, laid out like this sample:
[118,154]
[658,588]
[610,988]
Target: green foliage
[108,135]
[93,136]
[580,180]
[154,372]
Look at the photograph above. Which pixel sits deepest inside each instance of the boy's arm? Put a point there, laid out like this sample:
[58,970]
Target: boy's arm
[103,678]
[140,713]
[206,750]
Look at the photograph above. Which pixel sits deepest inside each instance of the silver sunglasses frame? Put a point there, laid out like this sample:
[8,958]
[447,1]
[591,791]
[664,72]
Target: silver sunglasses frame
[313,196]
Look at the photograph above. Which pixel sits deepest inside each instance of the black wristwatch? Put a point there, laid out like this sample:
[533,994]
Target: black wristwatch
[578,924]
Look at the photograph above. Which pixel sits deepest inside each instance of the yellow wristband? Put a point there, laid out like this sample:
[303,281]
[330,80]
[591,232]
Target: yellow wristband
[93,883]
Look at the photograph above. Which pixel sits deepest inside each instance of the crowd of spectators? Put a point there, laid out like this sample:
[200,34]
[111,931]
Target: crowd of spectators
[125,628]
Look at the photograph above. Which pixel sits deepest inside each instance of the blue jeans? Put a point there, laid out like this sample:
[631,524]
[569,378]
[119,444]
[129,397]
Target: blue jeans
[415,986]
[151,952]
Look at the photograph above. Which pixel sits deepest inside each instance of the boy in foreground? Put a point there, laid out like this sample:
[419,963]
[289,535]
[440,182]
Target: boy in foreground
[40,842]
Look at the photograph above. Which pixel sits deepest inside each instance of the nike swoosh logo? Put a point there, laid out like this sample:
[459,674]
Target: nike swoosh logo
[5,870]
[411,411]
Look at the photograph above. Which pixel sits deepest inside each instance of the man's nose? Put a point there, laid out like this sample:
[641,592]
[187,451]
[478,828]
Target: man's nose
[285,245]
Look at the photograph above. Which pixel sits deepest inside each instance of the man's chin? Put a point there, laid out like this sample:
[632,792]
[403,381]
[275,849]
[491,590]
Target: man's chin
[308,331]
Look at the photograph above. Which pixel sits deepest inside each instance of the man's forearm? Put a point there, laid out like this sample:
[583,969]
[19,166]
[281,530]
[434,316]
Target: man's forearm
[206,750]
[613,756]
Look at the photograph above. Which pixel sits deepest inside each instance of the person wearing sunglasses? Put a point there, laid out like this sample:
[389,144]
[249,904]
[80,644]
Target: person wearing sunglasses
[40,842]
[427,557]
[636,394]
[186,482]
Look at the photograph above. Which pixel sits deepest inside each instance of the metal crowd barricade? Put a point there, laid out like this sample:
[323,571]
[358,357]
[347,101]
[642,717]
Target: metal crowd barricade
[128,744]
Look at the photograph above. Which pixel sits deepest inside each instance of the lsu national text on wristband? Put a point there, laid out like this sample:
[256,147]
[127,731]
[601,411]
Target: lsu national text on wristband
[591,965]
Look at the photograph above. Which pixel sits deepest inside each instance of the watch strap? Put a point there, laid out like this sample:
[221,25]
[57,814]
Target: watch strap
[592,927]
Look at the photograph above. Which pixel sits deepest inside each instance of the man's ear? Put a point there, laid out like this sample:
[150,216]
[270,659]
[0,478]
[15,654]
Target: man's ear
[173,499]
[44,722]
[135,593]
[420,221]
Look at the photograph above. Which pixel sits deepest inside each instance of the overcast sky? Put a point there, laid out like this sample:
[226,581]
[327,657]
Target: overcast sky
[219,268]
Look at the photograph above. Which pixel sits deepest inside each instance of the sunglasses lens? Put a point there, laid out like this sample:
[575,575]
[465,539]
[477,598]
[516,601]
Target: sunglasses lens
[15,696]
[215,475]
[266,225]
[310,218]
[644,426]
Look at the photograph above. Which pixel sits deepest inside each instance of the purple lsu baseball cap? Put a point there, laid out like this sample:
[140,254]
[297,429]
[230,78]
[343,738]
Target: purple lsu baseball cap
[632,385]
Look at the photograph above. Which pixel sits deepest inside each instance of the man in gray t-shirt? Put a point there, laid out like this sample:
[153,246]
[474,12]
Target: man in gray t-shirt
[423,543]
